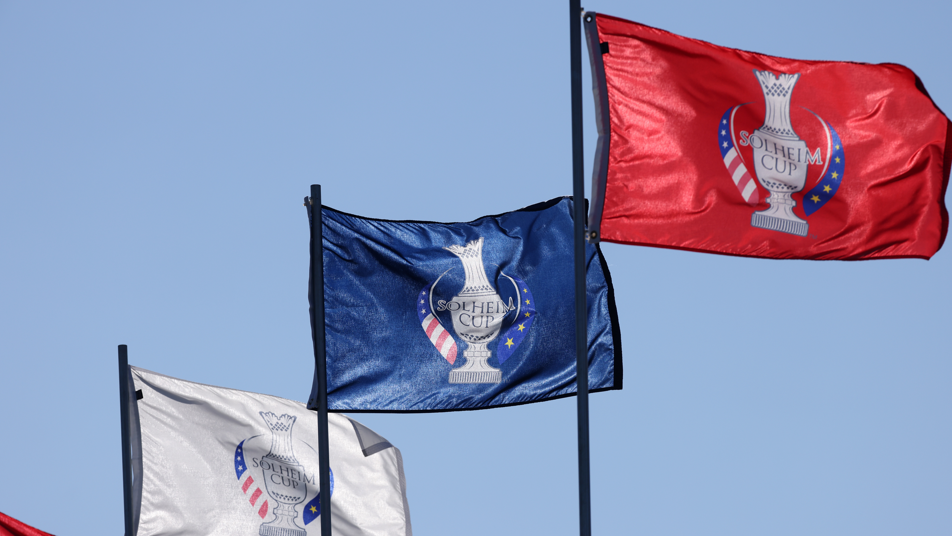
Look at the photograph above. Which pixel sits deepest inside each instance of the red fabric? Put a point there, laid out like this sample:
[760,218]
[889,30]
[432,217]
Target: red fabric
[12,527]
[668,184]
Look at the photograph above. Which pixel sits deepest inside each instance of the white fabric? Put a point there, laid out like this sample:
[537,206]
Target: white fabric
[190,483]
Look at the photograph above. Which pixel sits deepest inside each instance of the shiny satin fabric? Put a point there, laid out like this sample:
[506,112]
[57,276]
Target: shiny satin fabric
[13,527]
[223,462]
[667,183]
[380,357]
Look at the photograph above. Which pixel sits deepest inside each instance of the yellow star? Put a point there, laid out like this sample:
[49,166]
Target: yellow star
[313,510]
[527,302]
[525,290]
[835,175]
[837,146]
[827,188]
[815,199]
[837,160]
[509,342]
[522,327]
[527,315]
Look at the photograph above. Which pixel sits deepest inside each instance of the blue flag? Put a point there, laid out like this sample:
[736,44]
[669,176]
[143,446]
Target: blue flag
[425,316]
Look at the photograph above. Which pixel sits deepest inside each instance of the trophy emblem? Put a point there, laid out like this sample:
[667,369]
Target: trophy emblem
[284,478]
[783,161]
[478,315]
[777,160]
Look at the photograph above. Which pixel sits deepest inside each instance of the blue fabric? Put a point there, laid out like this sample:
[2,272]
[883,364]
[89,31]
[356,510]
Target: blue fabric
[377,277]
[312,510]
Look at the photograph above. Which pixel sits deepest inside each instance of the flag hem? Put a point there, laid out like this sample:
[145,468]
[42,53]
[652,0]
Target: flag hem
[602,123]
[480,408]
[212,386]
[135,451]
[617,368]
[714,252]
[946,168]
[536,207]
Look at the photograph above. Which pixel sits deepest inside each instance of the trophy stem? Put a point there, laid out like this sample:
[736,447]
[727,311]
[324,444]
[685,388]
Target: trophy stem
[275,530]
[780,216]
[476,369]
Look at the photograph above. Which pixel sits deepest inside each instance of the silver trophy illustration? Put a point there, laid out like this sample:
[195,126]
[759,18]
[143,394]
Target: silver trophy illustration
[283,478]
[477,313]
[779,156]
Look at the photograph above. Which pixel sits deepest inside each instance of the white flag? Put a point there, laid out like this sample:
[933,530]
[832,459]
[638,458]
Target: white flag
[212,461]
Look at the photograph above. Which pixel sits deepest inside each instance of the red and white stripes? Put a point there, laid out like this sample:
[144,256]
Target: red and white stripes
[734,162]
[742,178]
[255,495]
[440,338]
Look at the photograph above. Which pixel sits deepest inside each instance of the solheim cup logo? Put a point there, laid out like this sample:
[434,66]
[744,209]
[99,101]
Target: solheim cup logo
[478,313]
[785,161]
[285,479]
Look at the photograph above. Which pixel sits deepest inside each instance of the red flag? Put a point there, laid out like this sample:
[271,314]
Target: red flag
[12,527]
[719,150]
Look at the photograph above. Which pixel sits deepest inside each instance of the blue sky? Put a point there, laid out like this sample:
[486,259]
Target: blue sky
[153,159]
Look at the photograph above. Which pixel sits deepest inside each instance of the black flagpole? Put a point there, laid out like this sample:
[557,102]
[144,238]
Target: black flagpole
[317,288]
[581,314]
[126,446]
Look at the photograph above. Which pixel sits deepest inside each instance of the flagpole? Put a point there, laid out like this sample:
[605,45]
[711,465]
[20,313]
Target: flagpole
[126,446]
[320,356]
[581,313]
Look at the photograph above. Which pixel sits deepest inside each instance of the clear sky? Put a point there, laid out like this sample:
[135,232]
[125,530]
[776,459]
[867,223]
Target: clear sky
[153,161]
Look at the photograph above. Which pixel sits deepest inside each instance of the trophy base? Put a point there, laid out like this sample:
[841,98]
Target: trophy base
[475,376]
[273,530]
[773,223]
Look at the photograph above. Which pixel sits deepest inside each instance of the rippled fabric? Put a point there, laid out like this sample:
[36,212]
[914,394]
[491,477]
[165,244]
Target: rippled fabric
[678,106]
[13,527]
[392,348]
[222,462]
